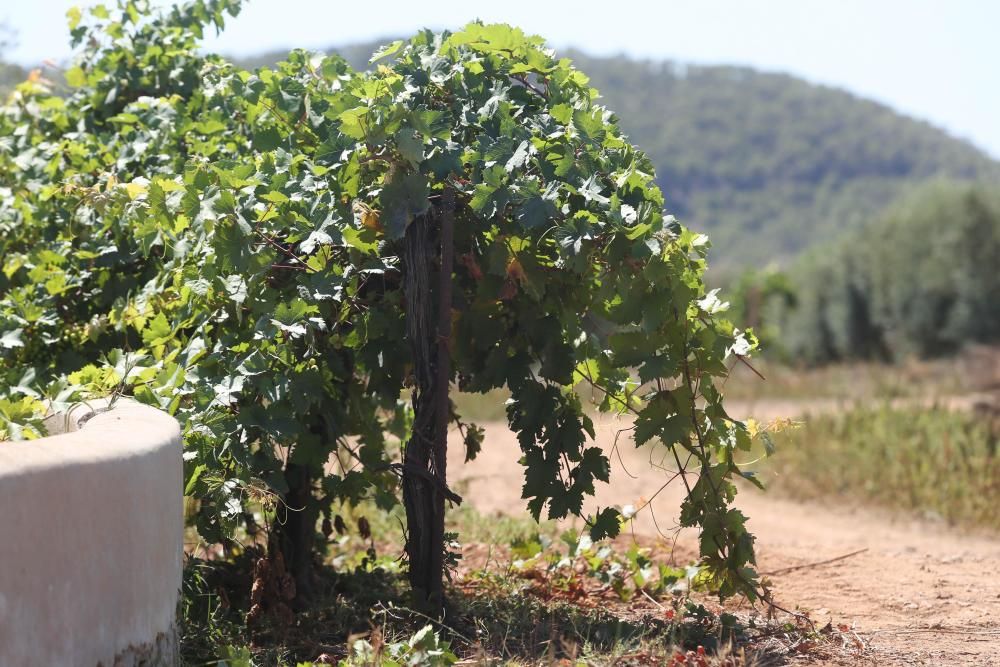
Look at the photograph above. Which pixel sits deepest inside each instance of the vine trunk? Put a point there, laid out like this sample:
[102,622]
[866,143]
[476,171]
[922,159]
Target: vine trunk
[425,456]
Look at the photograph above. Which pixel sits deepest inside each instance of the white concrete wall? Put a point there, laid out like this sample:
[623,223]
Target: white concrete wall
[91,540]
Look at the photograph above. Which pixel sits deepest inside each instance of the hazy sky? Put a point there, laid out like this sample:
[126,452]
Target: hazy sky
[936,60]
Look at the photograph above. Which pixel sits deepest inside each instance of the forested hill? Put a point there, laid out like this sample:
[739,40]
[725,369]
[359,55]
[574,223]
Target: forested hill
[767,164]
[10,76]
[770,164]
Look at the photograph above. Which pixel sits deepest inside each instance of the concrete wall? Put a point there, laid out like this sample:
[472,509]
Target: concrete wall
[91,540]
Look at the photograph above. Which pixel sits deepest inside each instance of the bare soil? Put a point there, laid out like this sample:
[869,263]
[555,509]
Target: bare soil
[919,593]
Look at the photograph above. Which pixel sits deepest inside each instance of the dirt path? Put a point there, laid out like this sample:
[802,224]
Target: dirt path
[920,595]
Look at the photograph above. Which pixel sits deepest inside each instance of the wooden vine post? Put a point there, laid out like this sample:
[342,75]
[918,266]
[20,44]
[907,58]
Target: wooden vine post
[425,486]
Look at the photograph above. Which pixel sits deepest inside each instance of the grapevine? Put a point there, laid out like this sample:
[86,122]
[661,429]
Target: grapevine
[266,250]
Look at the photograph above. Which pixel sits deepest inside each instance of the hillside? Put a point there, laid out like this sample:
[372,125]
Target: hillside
[768,164]
[10,76]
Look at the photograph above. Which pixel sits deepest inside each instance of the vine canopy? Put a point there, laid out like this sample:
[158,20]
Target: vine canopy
[226,245]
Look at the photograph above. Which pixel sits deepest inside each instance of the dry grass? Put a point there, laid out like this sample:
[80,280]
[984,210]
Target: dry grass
[938,464]
[977,369]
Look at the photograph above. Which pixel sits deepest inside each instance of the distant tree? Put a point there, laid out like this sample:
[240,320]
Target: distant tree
[758,299]
[921,281]
[10,74]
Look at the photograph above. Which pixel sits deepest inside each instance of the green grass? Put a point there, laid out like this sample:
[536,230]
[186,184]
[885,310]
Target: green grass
[932,462]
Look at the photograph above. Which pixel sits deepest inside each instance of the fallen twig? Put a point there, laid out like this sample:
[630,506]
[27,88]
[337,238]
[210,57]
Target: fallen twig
[650,598]
[786,570]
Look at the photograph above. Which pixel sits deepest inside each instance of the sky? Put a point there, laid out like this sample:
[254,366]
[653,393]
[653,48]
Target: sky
[935,60]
